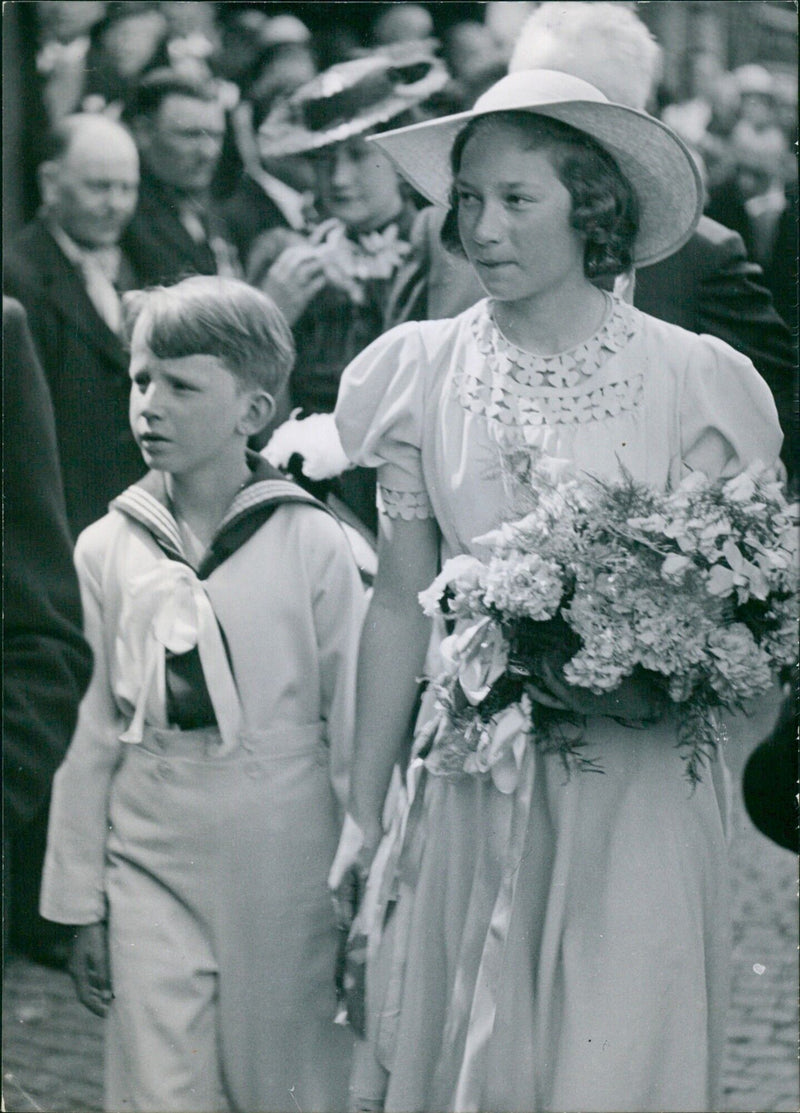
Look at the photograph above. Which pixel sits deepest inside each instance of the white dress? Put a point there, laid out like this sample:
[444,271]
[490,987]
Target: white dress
[564,946]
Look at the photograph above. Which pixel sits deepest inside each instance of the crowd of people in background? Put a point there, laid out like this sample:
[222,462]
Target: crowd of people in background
[93,57]
[227,139]
[224,188]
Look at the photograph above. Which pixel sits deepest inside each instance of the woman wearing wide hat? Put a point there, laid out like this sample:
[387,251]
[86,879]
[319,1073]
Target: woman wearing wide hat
[332,280]
[552,941]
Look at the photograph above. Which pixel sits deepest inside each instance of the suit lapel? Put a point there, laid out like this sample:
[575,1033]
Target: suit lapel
[159,212]
[64,287]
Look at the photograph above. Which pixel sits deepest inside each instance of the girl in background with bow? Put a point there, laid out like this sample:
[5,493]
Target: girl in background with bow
[198,807]
[332,281]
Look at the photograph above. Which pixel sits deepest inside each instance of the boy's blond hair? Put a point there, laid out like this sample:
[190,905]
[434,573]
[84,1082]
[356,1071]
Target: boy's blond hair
[222,317]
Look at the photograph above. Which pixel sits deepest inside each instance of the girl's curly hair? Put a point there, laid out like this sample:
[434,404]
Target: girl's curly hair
[604,207]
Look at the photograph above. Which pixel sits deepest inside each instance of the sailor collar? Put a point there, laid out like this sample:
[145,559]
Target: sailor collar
[147,503]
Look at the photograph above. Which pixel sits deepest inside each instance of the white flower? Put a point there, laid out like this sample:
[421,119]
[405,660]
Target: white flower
[693,482]
[502,746]
[480,654]
[781,643]
[465,573]
[739,669]
[316,439]
[741,574]
[524,585]
[743,486]
[675,567]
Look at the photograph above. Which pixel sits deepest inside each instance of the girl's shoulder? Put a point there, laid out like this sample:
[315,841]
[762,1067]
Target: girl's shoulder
[675,341]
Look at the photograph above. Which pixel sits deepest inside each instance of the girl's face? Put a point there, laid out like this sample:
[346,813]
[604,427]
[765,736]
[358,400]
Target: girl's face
[514,216]
[357,183]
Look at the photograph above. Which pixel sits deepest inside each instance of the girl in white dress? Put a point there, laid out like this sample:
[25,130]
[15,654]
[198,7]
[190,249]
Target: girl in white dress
[563,946]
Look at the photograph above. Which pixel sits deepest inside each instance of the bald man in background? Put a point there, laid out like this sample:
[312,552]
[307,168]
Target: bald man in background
[68,271]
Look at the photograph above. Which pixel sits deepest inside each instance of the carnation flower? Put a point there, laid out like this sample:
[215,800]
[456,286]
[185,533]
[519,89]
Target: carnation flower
[524,585]
[315,438]
[739,669]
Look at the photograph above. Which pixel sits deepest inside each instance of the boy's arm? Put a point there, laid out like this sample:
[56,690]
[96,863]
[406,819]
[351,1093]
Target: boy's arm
[90,968]
[72,882]
[339,606]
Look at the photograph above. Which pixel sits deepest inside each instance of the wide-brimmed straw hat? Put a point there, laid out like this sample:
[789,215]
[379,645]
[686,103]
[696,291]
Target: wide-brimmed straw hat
[350,98]
[652,157]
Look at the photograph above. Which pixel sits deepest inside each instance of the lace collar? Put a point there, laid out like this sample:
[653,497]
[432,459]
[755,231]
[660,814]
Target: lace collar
[584,383]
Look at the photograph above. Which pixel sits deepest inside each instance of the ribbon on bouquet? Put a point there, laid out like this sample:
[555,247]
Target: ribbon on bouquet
[504,752]
[167,608]
[469,1090]
[478,656]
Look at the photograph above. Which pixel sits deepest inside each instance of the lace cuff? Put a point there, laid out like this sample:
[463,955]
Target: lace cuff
[407,505]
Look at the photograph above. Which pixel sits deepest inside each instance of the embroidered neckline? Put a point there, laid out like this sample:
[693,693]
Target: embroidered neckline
[518,388]
[586,357]
[522,355]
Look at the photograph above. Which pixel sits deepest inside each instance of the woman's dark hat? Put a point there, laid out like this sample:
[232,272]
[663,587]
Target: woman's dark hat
[349,99]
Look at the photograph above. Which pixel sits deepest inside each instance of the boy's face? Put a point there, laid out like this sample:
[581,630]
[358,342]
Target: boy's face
[187,414]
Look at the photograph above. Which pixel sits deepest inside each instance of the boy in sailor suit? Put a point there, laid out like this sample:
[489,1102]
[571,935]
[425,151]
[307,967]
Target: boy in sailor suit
[196,814]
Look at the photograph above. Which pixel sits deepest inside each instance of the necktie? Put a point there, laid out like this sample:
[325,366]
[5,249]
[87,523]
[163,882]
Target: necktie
[101,290]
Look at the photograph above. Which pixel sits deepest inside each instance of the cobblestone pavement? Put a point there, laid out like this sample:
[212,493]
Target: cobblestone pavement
[52,1045]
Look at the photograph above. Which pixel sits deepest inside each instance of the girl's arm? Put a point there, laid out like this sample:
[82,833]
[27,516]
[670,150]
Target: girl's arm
[392,654]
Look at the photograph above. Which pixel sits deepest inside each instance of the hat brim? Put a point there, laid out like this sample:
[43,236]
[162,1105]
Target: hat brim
[653,158]
[291,139]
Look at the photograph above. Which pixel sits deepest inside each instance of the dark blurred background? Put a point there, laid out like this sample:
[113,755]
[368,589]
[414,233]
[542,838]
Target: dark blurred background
[46,46]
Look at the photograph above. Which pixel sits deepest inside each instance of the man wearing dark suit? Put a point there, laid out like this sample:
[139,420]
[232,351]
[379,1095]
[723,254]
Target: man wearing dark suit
[46,662]
[260,203]
[179,127]
[67,270]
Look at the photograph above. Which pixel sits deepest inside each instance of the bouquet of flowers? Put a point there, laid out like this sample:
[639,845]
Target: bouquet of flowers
[697,587]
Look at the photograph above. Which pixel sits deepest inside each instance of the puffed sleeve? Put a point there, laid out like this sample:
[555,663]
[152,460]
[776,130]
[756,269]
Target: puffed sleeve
[727,414]
[379,416]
